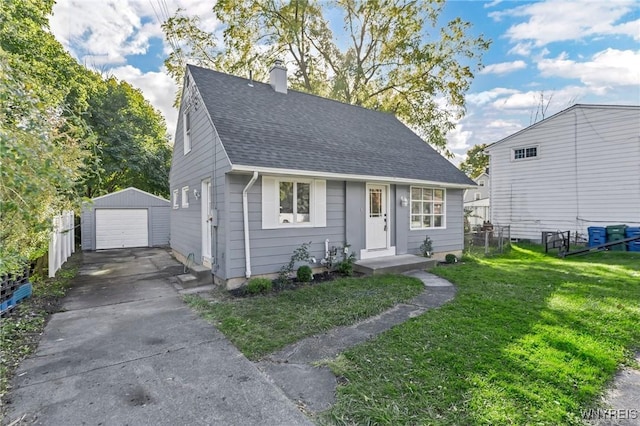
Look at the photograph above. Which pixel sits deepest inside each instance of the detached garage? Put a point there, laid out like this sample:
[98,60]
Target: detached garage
[122,219]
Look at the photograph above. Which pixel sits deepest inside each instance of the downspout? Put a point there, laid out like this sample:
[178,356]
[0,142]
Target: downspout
[245,218]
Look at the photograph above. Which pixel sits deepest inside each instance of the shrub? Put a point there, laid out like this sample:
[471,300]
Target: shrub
[345,268]
[425,247]
[259,285]
[304,274]
[450,258]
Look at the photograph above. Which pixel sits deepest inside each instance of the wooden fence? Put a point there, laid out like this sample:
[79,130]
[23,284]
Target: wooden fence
[62,241]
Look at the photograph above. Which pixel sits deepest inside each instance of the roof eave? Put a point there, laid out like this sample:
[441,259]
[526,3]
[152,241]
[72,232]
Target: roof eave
[346,177]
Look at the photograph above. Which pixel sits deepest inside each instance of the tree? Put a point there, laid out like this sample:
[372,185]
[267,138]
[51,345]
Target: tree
[40,158]
[390,62]
[477,161]
[132,148]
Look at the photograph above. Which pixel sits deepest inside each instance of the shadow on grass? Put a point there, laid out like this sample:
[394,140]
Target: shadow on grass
[529,339]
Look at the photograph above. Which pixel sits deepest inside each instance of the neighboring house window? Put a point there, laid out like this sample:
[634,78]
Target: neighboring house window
[477,196]
[187,132]
[185,196]
[175,198]
[427,208]
[481,183]
[288,202]
[522,153]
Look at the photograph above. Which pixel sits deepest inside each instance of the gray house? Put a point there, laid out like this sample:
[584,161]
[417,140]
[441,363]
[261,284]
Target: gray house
[258,170]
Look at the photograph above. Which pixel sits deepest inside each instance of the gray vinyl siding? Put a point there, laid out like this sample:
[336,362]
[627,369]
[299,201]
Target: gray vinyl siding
[587,173]
[157,208]
[446,239]
[272,248]
[206,160]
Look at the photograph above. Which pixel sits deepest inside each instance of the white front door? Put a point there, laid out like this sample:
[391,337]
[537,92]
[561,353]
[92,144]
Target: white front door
[206,215]
[377,218]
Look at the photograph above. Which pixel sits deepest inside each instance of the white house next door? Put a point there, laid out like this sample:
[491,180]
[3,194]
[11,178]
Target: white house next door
[206,215]
[377,217]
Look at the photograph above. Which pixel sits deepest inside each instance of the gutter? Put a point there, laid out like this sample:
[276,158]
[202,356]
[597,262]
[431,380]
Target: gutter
[347,177]
[245,219]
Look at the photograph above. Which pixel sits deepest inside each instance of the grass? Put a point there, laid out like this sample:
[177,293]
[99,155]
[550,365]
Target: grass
[20,332]
[529,339]
[263,324]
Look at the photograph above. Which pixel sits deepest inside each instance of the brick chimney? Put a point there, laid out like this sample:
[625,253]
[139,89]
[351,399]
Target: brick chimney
[278,77]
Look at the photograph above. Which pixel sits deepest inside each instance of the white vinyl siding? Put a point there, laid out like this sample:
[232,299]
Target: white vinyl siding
[588,175]
[288,202]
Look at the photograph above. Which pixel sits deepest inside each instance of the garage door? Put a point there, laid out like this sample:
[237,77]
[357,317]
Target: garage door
[118,228]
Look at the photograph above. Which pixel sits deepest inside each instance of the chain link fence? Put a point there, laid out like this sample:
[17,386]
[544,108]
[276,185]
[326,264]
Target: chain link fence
[488,240]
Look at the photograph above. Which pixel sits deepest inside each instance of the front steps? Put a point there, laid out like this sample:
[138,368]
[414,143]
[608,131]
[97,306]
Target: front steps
[197,276]
[393,264]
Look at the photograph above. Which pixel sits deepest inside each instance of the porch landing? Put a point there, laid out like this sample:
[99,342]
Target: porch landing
[393,264]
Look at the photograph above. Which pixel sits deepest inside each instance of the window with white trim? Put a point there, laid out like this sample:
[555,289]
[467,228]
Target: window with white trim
[427,208]
[187,132]
[292,202]
[185,197]
[476,196]
[175,199]
[527,152]
[481,182]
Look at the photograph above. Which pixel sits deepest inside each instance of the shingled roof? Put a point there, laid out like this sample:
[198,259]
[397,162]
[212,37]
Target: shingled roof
[259,127]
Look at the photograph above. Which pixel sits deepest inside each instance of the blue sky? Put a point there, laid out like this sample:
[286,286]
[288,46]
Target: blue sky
[570,51]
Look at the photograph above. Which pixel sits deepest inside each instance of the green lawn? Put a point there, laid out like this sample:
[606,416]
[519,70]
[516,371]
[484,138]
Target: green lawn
[263,324]
[529,339]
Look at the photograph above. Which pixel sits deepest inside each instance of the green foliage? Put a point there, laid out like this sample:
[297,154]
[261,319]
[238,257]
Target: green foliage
[304,274]
[450,258]
[398,57]
[426,247]
[263,324]
[542,339]
[476,162]
[132,148]
[65,132]
[259,285]
[301,254]
[345,266]
[40,169]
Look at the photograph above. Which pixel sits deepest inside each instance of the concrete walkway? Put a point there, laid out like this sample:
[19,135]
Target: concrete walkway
[313,387]
[128,351]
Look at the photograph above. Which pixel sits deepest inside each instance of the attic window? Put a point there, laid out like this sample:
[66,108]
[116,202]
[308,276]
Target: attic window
[187,132]
[481,183]
[523,153]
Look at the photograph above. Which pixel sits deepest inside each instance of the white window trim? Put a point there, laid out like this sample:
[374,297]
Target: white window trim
[513,153]
[185,197]
[444,209]
[476,196]
[175,199]
[481,182]
[187,131]
[271,203]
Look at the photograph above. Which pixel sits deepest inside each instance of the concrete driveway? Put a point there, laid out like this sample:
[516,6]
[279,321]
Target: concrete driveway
[127,351]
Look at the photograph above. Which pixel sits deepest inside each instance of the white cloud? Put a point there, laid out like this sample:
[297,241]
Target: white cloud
[504,124]
[552,21]
[522,49]
[492,4]
[458,139]
[157,87]
[529,101]
[608,68]
[487,96]
[110,30]
[503,67]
